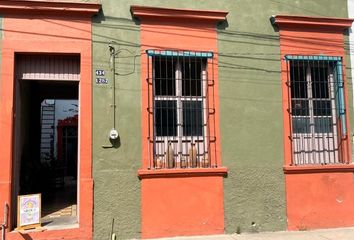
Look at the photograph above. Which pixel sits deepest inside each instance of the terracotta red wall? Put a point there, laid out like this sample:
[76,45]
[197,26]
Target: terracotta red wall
[305,40]
[44,34]
[194,36]
[180,201]
[320,200]
[317,196]
[180,206]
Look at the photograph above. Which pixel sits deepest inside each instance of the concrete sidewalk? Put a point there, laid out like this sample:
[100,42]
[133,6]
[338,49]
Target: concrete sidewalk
[325,234]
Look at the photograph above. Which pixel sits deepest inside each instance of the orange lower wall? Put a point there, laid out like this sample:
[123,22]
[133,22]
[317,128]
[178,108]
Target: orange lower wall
[320,200]
[182,206]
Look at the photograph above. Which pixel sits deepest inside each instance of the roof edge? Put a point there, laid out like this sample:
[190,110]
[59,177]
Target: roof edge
[146,12]
[328,22]
[83,9]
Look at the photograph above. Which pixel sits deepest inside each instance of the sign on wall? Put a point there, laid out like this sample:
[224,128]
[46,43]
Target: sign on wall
[100,72]
[28,211]
[100,79]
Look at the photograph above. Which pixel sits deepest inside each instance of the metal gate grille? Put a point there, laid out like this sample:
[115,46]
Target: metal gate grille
[316,107]
[180,109]
[48,67]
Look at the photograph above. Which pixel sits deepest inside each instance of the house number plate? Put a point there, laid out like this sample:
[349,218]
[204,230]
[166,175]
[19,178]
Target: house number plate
[99,72]
[101,81]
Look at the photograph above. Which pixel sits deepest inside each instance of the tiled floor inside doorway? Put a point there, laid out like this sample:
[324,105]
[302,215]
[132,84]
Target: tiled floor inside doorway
[61,210]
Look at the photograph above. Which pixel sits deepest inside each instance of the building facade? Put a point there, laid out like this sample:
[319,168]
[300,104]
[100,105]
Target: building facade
[191,118]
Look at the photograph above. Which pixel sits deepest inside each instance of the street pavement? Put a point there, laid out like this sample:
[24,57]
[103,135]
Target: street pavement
[324,234]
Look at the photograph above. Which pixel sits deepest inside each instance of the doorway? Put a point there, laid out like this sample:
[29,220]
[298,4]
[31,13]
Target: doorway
[45,158]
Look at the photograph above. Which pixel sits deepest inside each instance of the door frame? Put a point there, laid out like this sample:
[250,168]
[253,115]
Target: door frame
[32,33]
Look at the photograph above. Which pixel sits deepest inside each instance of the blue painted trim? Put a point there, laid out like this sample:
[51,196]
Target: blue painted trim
[312,58]
[170,53]
[340,100]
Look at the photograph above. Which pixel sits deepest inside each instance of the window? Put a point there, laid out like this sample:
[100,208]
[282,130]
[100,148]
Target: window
[179,108]
[316,107]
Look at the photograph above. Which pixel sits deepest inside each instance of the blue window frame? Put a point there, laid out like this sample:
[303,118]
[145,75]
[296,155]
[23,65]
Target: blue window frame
[316,107]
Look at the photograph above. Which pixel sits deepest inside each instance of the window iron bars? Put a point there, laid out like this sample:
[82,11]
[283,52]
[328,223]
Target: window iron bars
[181,107]
[317,110]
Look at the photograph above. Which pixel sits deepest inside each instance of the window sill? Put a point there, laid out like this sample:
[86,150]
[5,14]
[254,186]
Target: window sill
[318,169]
[189,172]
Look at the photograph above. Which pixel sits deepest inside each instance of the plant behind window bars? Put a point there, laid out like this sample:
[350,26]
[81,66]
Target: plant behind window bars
[180,109]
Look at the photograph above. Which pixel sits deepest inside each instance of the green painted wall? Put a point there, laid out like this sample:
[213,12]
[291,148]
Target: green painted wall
[250,112]
[117,188]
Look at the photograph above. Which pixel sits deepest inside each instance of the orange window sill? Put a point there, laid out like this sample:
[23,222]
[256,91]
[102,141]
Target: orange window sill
[188,172]
[319,168]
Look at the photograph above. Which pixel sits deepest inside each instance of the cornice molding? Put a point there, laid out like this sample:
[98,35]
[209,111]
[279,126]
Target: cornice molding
[145,13]
[305,21]
[83,9]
